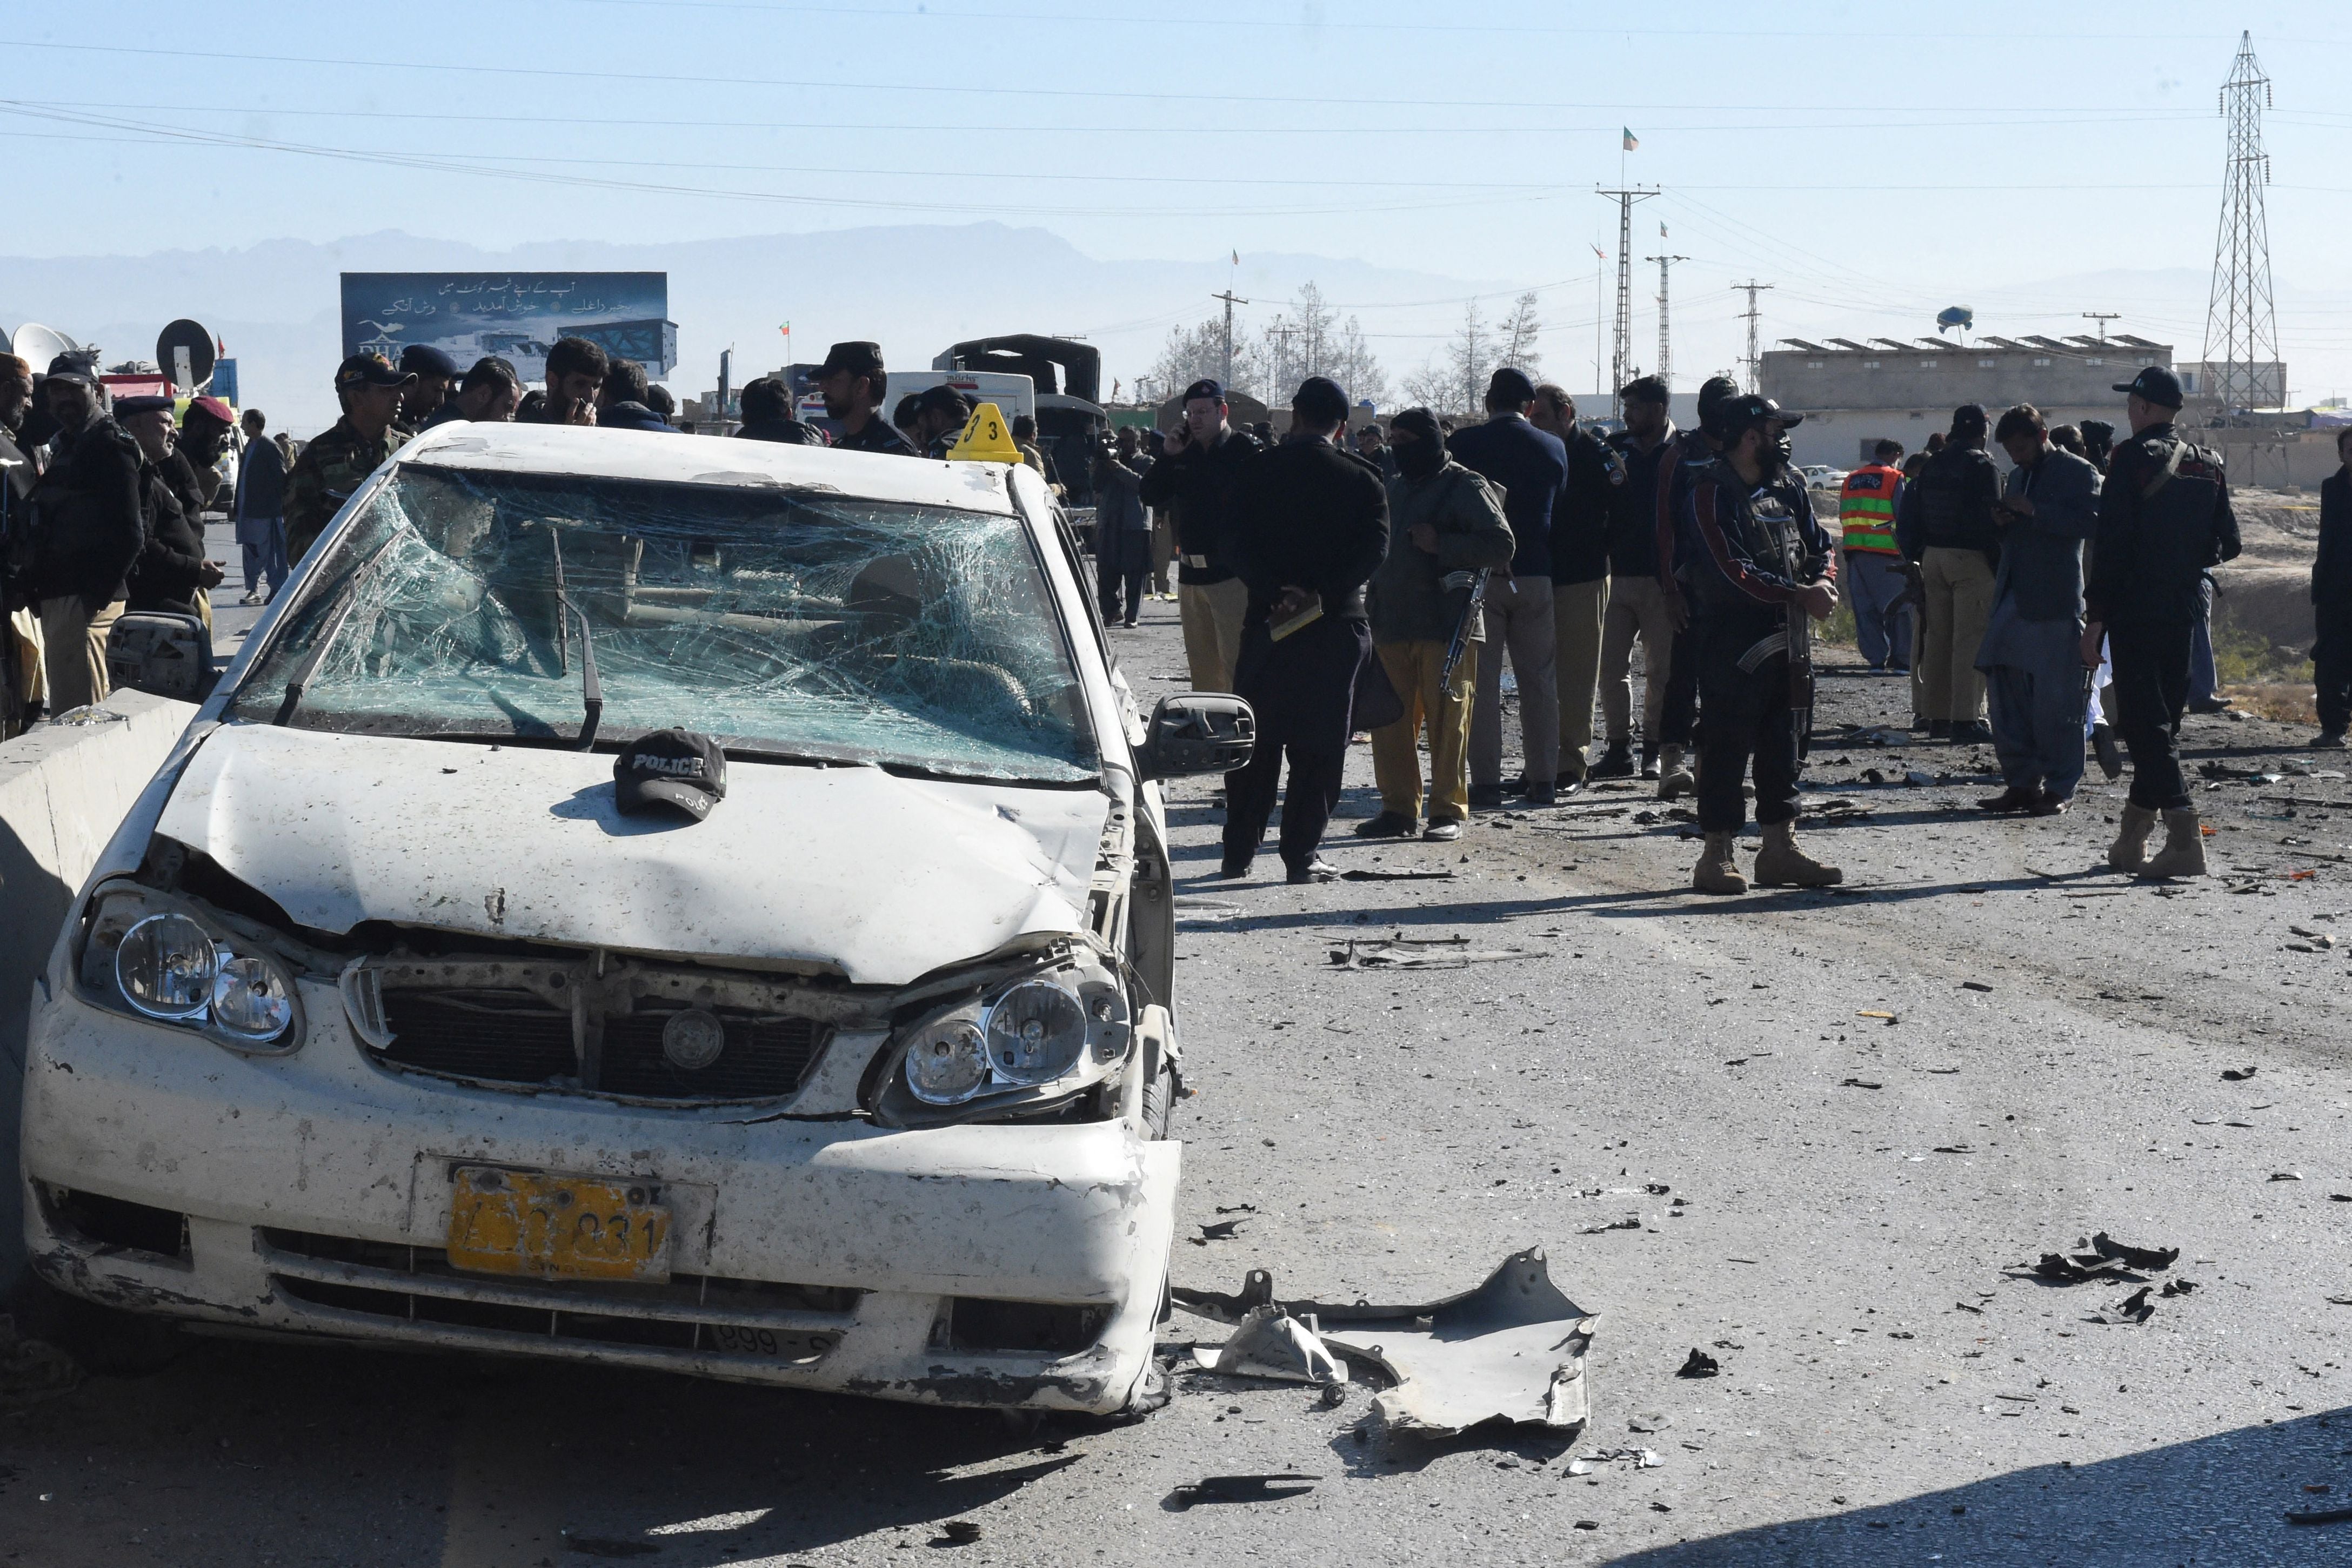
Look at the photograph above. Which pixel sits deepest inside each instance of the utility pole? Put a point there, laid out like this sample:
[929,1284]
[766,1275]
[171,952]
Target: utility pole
[1755,361]
[1230,299]
[1621,357]
[1281,334]
[1665,336]
[2102,317]
[2241,322]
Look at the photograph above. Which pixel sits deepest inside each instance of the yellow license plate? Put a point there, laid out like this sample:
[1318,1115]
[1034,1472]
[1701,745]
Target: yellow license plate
[558,1227]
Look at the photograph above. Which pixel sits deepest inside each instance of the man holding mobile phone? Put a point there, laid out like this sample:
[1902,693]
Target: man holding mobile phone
[1198,477]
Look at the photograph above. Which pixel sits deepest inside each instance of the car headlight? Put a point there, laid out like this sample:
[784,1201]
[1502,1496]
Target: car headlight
[947,1060]
[1035,1033]
[166,966]
[1040,1038]
[150,953]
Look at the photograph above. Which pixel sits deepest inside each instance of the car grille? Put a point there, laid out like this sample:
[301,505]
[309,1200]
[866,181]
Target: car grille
[702,1314]
[517,1037]
[763,1055]
[509,1036]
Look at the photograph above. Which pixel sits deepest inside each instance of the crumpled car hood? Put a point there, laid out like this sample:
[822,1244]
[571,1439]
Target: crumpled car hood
[881,877]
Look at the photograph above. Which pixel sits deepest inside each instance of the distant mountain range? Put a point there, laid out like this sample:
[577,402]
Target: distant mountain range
[915,289]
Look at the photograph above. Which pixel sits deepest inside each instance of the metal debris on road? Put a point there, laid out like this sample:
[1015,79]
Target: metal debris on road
[1271,1488]
[1700,1365]
[1630,1222]
[2149,1258]
[1362,875]
[2133,1309]
[1272,1343]
[1218,1230]
[1402,952]
[2286,1175]
[1974,986]
[1859,1083]
[1888,1017]
[2236,1074]
[2319,1516]
[1512,1350]
[960,1531]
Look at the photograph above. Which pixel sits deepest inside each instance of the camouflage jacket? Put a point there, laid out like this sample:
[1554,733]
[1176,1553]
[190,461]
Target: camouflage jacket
[330,468]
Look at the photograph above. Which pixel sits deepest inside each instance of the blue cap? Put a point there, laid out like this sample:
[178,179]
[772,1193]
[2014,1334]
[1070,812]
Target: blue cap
[1319,398]
[2157,384]
[144,402]
[425,359]
[1206,387]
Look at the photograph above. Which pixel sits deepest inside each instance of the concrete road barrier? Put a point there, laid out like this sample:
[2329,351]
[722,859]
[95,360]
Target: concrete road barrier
[64,789]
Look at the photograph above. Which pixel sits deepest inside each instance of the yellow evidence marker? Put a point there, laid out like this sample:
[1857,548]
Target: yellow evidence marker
[985,439]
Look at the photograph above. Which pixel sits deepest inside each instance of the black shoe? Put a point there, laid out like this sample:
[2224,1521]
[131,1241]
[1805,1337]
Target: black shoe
[1542,794]
[1939,729]
[2046,804]
[1130,621]
[1517,785]
[1971,733]
[1387,825]
[2209,706]
[1572,786]
[2332,739]
[2110,755]
[1232,870]
[1616,762]
[1442,830]
[1649,762]
[2014,799]
[1316,869]
[1485,797]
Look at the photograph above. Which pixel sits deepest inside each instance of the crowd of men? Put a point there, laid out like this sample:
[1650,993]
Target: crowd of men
[1380,581]
[2066,601]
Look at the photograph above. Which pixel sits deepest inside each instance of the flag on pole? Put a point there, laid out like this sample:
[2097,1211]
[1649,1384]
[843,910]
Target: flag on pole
[1237,259]
[1600,252]
[1632,141]
[787,331]
[1662,231]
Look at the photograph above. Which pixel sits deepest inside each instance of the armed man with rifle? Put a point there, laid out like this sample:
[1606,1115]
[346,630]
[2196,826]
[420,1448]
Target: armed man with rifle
[1447,532]
[1759,574]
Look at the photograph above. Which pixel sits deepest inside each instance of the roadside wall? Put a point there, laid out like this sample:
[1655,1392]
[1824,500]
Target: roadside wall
[64,789]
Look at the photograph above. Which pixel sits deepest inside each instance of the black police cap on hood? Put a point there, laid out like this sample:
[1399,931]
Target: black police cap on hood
[672,768]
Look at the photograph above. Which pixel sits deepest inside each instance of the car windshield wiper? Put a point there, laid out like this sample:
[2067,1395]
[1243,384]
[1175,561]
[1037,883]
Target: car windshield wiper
[299,680]
[591,691]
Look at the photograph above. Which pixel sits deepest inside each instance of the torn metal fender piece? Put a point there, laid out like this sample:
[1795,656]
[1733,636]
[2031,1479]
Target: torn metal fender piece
[1270,1343]
[1257,1290]
[1512,1350]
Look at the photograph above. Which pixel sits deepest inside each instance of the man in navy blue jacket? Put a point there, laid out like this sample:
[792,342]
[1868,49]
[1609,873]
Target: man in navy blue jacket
[1529,467]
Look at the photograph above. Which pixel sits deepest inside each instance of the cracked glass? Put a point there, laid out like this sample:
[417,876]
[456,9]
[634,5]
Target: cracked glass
[806,625]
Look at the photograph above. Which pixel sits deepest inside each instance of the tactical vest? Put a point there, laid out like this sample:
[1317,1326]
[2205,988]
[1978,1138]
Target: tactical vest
[1866,507]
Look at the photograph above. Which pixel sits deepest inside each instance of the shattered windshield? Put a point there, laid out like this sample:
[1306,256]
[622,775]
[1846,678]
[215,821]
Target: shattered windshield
[806,625]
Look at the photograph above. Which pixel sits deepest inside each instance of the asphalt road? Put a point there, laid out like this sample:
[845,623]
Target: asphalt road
[1851,1208]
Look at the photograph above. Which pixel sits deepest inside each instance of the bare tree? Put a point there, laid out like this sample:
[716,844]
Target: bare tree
[1519,333]
[1194,353]
[1469,360]
[1308,339]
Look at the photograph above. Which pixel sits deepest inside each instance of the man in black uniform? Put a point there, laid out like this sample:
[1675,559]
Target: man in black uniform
[1197,476]
[1756,559]
[2164,519]
[767,405]
[437,375]
[171,574]
[1689,455]
[1314,528]
[90,531]
[851,382]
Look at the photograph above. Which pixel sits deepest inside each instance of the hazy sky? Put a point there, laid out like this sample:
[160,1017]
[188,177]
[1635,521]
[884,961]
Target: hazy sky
[1875,161]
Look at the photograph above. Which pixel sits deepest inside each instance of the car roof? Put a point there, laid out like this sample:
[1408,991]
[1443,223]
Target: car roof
[683,459]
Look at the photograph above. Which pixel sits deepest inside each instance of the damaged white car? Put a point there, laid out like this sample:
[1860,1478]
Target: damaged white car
[380,1018]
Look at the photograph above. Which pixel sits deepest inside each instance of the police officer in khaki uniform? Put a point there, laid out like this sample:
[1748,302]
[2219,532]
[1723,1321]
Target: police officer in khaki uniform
[336,463]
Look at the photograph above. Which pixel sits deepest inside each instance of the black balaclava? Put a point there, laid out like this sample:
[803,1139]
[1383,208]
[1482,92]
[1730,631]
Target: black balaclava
[1425,453]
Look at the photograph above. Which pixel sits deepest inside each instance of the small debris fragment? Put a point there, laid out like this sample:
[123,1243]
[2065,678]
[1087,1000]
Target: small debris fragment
[1362,876]
[1218,1230]
[1241,1489]
[2236,1074]
[1649,1421]
[961,1531]
[2319,1516]
[2107,1246]
[2286,1175]
[1700,1365]
[2133,1309]
[1888,1017]
[1859,1083]
[1974,986]
[1630,1222]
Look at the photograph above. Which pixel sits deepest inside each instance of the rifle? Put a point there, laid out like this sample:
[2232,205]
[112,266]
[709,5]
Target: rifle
[1459,644]
[1801,568]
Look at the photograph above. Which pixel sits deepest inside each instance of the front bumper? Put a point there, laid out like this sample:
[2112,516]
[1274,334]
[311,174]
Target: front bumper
[964,1265]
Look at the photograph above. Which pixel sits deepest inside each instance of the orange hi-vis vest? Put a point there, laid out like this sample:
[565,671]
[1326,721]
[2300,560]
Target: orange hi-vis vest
[1866,507]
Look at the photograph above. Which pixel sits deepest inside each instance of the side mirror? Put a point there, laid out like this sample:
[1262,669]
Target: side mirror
[1198,732]
[168,655]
